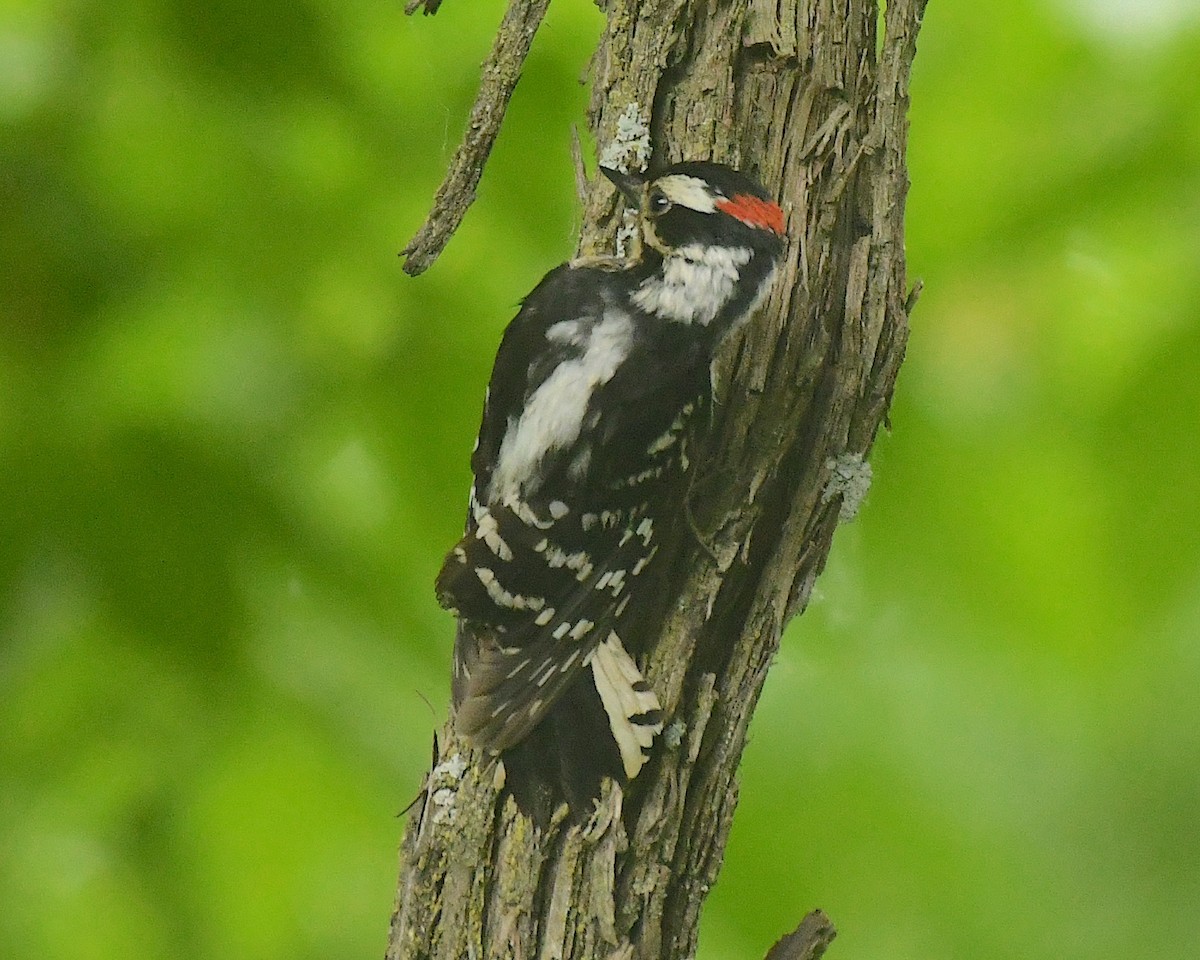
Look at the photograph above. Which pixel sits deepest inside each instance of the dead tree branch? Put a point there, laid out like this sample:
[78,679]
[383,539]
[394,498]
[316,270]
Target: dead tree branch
[501,71]
[808,941]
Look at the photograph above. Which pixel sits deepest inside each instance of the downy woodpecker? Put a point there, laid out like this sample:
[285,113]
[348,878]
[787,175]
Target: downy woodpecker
[580,472]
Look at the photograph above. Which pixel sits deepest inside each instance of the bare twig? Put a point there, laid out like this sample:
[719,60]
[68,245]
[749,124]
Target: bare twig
[581,178]
[431,6]
[501,71]
[807,942]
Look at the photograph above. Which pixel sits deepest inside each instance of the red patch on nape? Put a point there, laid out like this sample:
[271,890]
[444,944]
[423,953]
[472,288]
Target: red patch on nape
[753,211]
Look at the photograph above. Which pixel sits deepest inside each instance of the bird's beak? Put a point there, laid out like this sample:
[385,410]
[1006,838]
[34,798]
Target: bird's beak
[630,184]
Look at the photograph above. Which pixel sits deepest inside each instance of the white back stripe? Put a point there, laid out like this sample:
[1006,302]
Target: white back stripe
[554,414]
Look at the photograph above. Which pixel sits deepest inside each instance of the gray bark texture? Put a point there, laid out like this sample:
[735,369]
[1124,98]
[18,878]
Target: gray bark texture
[813,98]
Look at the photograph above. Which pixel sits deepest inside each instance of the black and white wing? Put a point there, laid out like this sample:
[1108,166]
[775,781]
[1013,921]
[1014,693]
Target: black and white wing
[555,541]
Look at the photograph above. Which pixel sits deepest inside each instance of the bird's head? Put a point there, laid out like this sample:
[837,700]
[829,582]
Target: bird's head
[701,203]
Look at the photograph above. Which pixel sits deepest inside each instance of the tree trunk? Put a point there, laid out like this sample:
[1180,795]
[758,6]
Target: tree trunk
[810,99]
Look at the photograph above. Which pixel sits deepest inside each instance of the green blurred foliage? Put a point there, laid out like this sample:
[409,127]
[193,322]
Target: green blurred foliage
[233,443]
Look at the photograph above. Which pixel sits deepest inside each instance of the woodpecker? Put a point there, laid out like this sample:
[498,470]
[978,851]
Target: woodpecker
[579,478]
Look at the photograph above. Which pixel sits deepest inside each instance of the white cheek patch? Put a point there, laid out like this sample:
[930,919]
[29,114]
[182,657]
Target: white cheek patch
[686,191]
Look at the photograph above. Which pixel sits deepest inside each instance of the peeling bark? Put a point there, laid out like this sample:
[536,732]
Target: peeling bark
[810,99]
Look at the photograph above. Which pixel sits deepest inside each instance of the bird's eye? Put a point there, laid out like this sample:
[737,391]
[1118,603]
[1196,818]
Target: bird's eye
[658,201]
